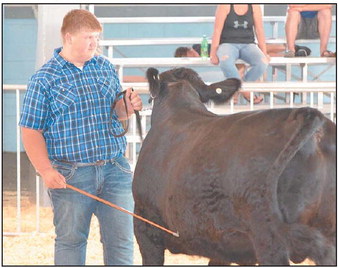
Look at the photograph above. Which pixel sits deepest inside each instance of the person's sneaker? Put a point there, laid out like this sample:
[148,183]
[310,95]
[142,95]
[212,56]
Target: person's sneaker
[289,54]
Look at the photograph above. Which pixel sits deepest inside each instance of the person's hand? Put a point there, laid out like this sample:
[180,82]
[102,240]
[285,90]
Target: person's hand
[53,179]
[268,58]
[135,100]
[214,59]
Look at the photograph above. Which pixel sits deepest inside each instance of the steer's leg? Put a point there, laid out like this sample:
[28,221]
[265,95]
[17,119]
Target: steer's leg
[305,241]
[269,245]
[150,243]
[269,249]
[152,251]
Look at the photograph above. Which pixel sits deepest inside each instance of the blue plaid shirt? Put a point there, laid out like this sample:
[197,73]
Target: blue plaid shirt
[72,108]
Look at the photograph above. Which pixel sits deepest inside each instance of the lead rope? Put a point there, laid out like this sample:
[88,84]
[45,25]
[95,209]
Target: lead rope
[121,209]
[137,114]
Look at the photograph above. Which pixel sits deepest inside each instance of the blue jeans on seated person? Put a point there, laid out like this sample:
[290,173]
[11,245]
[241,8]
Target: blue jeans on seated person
[73,212]
[228,53]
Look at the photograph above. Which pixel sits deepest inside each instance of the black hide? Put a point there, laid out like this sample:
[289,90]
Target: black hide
[253,187]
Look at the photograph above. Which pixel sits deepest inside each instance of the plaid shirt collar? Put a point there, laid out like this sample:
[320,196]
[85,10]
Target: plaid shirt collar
[62,62]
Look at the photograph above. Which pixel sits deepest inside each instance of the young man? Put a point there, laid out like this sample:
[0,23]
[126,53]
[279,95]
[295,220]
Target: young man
[66,131]
[307,21]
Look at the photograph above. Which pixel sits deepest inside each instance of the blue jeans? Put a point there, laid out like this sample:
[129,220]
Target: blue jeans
[73,212]
[228,54]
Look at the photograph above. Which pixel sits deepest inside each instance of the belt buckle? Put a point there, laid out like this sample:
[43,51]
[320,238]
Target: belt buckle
[100,162]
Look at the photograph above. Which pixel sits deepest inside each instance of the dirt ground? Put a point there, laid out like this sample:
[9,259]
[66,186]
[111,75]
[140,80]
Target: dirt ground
[36,248]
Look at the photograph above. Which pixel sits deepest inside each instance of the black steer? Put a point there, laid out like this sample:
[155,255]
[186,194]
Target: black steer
[253,187]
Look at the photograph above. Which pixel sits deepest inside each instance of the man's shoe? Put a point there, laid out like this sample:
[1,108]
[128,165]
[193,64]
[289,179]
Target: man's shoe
[289,54]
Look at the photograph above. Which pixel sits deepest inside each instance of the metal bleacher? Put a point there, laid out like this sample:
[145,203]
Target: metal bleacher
[314,93]
[269,88]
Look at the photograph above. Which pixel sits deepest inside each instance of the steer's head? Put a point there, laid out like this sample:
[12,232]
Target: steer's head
[219,92]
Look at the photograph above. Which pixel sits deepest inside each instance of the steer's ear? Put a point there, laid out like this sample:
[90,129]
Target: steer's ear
[153,77]
[221,92]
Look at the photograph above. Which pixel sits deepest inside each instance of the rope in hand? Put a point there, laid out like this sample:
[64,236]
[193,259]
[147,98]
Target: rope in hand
[121,209]
[137,114]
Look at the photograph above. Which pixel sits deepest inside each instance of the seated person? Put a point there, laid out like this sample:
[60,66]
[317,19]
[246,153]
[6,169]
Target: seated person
[186,52]
[239,34]
[307,21]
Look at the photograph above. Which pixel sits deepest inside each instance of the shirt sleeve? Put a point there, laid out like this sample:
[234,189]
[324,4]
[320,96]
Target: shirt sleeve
[35,106]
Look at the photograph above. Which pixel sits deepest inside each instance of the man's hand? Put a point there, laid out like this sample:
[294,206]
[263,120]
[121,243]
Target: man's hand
[135,100]
[52,178]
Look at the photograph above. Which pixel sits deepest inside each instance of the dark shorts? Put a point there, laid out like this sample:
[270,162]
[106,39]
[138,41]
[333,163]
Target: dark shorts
[308,28]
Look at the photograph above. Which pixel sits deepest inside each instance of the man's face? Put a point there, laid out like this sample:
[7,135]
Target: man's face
[83,44]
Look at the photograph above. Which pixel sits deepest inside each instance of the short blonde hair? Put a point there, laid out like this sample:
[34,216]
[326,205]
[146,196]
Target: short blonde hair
[78,19]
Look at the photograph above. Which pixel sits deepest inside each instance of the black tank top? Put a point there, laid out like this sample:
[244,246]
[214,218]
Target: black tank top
[238,28]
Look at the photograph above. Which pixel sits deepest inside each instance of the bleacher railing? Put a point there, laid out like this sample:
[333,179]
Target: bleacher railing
[274,21]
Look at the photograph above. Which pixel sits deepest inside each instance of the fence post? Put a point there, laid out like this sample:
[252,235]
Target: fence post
[18,163]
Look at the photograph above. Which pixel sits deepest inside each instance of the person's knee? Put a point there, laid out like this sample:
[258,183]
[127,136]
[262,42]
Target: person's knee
[226,61]
[73,239]
[261,65]
[265,61]
[324,14]
[224,58]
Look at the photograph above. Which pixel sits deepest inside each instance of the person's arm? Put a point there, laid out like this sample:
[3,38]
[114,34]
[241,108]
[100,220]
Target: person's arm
[220,16]
[36,150]
[259,29]
[308,7]
[133,102]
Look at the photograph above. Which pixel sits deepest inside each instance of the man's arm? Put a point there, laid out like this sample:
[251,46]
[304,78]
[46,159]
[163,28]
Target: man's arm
[36,150]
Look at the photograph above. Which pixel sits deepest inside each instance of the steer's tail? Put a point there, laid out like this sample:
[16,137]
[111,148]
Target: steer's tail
[306,121]
[275,242]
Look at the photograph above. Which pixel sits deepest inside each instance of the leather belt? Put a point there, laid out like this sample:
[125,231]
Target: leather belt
[97,163]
